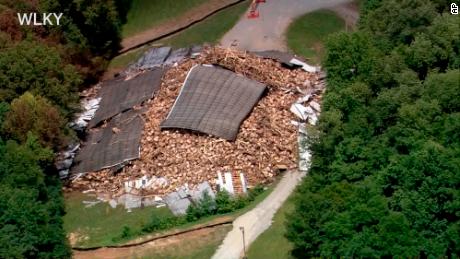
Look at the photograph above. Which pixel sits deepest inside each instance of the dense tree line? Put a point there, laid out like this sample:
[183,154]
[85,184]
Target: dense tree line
[385,175]
[42,68]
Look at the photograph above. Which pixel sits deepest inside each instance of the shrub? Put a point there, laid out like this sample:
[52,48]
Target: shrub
[223,202]
[126,232]
[205,207]
[193,213]
[156,223]
[239,202]
[254,192]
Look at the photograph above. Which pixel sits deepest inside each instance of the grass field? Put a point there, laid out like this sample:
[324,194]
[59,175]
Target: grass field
[208,31]
[199,247]
[144,14]
[306,35]
[97,225]
[100,224]
[272,244]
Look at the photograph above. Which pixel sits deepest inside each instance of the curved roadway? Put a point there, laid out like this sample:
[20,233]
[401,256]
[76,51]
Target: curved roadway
[267,31]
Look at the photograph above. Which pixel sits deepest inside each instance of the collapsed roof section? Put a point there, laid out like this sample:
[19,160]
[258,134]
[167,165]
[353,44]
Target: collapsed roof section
[163,56]
[153,58]
[214,101]
[112,145]
[282,57]
[287,59]
[121,95]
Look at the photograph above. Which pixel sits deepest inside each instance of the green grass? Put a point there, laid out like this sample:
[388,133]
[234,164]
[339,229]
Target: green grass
[201,247]
[144,14]
[209,219]
[122,61]
[99,224]
[272,244]
[306,35]
[208,31]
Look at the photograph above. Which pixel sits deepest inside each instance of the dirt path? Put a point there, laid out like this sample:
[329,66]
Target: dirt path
[163,247]
[155,242]
[267,31]
[195,14]
[259,219]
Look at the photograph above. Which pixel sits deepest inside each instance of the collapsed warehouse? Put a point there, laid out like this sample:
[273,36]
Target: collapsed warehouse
[187,117]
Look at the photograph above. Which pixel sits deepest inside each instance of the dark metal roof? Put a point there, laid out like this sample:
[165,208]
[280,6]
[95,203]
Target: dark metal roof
[177,56]
[120,95]
[282,57]
[153,58]
[106,147]
[214,101]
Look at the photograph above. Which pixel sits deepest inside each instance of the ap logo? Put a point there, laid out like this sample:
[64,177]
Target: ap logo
[454,8]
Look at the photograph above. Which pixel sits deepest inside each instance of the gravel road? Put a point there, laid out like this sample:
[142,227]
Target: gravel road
[257,220]
[267,31]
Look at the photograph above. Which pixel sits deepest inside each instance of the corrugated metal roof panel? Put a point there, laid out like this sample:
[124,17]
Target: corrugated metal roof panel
[214,101]
[121,95]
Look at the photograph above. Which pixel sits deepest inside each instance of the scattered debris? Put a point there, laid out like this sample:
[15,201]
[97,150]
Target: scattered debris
[89,204]
[195,51]
[282,57]
[64,160]
[304,65]
[89,107]
[177,56]
[131,201]
[304,152]
[288,60]
[233,183]
[144,183]
[180,200]
[266,138]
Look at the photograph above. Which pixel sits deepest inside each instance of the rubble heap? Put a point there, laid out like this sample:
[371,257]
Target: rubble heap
[267,139]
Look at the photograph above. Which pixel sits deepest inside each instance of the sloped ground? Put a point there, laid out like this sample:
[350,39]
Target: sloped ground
[267,31]
[196,244]
[193,15]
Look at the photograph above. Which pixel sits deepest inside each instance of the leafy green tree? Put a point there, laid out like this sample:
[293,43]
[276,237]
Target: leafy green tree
[92,25]
[31,205]
[384,179]
[30,114]
[398,21]
[30,66]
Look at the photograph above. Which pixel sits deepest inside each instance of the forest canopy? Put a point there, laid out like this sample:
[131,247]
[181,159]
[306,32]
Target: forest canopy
[385,174]
[42,69]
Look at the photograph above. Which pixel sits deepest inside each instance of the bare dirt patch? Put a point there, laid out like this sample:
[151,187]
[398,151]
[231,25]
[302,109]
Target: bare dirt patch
[178,245]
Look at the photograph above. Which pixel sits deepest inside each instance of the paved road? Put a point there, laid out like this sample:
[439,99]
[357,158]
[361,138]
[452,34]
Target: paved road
[259,219]
[267,31]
